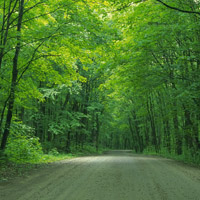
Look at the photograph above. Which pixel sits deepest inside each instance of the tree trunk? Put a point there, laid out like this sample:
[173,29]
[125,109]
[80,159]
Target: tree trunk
[14,78]
[97,132]
[68,143]
[152,122]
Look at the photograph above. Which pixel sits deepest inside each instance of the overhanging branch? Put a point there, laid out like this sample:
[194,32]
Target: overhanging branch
[178,9]
[128,5]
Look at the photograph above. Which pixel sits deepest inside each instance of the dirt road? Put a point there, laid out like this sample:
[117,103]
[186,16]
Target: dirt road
[117,175]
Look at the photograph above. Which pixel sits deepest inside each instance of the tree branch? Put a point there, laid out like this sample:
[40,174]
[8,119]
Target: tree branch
[128,5]
[178,9]
[34,54]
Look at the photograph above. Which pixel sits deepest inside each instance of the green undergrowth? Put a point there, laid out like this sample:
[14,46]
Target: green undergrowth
[22,149]
[10,168]
[20,163]
[188,158]
[54,155]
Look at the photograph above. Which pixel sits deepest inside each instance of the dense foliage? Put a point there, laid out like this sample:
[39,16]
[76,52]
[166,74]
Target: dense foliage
[115,74]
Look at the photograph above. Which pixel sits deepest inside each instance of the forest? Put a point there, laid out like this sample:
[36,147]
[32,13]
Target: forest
[103,74]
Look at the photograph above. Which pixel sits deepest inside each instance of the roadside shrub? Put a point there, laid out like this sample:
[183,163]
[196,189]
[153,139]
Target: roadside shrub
[23,149]
[53,152]
[3,157]
[89,149]
[86,149]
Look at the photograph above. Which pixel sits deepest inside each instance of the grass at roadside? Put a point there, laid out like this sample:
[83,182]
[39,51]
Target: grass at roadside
[188,159]
[10,169]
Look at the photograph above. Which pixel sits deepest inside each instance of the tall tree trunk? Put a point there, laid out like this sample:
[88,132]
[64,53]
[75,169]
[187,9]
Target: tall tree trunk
[97,132]
[6,26]
[165,121]
[133,135]
[137,133]
[14,78]
[152,122]
[178,136]
[68,142]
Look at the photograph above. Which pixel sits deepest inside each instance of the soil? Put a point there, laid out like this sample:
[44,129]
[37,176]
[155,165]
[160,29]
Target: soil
[116,175]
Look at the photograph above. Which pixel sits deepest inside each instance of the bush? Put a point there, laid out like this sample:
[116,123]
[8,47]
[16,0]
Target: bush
[23,149]
[53,152]
[3,157]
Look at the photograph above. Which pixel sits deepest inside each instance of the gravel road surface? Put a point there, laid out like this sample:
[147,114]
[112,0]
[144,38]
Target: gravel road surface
[116,175]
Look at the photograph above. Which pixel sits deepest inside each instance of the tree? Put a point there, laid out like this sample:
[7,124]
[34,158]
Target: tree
[14,75]
[39,61]
[157,67]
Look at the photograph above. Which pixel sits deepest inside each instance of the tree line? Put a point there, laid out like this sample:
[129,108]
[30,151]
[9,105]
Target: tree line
[157,77]
[48,72]
[116,74]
